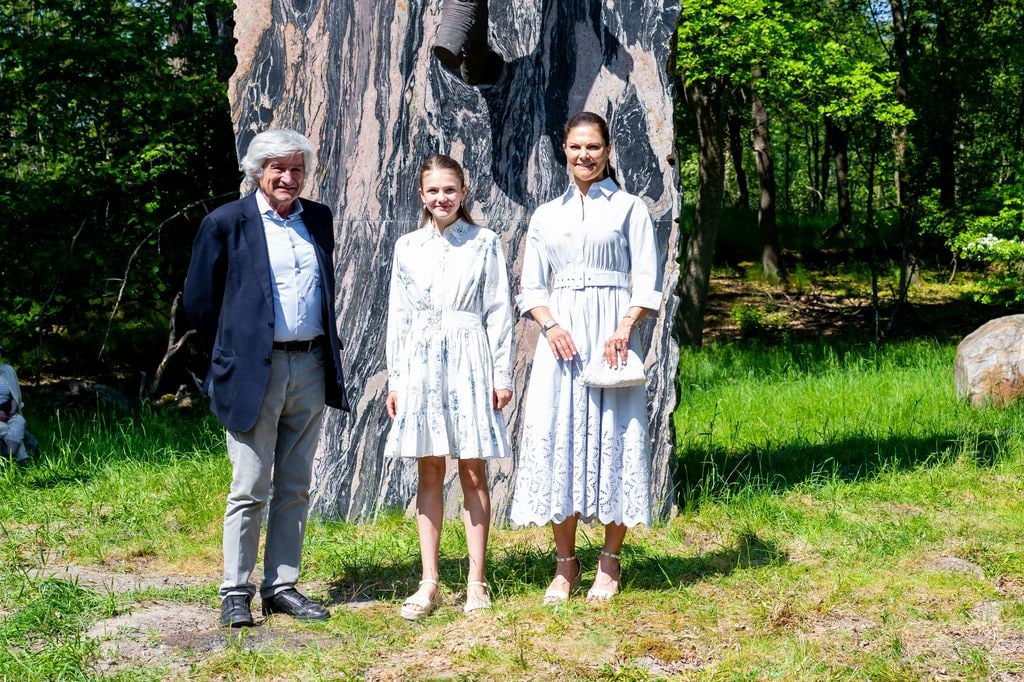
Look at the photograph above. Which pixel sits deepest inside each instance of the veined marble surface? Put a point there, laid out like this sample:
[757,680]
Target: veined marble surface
[358,78]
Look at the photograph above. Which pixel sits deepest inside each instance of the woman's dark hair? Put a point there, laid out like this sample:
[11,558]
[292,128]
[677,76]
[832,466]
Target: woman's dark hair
[444,162]
[589,118]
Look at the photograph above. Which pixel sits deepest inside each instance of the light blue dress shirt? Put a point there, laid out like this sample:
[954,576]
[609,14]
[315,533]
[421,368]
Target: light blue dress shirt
[295,274]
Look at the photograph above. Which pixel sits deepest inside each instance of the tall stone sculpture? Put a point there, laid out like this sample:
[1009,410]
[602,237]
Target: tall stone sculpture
[360,78]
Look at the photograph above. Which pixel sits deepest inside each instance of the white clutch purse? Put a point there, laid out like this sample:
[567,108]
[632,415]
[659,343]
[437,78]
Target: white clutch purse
[597,373]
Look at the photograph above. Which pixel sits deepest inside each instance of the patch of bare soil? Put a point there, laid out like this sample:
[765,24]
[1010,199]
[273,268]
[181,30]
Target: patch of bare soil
[174,635]
[941,648]
[1010,586]
[434,659]
[809,313]
[836,307]
[105,580]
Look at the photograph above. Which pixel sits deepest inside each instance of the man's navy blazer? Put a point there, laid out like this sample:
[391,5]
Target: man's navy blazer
[228,298]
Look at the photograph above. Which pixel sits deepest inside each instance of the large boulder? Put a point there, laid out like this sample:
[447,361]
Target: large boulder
[990,363]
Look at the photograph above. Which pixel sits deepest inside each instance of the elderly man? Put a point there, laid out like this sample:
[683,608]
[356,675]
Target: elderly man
[260,291]
[12,424]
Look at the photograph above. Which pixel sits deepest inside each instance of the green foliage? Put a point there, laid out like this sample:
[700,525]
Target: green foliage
[992,237]
[113,130]
[758,320]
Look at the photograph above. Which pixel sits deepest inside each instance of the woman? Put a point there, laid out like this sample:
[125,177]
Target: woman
[585,451]
[449,347]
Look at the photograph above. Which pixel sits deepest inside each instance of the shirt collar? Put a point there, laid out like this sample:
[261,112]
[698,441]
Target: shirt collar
[602,188]
[265,210]
[454,233]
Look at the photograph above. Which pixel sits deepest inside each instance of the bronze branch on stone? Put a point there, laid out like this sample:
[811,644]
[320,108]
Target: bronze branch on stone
[461,43]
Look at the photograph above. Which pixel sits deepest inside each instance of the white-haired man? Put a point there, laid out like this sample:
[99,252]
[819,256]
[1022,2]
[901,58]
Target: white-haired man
[260,291]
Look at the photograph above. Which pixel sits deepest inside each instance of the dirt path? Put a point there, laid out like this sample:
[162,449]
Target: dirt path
[173,634]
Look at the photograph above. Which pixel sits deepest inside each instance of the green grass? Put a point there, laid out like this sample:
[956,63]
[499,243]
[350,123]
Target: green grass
[819,485]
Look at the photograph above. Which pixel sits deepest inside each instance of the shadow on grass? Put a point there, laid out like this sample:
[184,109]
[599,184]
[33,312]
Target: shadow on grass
[701,474]
[527,570]
[647,570]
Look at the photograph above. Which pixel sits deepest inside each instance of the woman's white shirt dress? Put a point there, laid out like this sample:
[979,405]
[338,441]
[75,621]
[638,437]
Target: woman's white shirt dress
[449,343]
[586,450]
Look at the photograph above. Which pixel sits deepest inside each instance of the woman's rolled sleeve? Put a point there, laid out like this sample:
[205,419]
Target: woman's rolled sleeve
[534,280]
[643,256]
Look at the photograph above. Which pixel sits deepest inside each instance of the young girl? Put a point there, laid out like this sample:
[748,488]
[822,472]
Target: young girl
[449,349]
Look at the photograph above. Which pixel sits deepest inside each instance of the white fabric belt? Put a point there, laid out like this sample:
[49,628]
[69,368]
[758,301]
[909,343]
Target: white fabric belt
[579,279]
[446,318]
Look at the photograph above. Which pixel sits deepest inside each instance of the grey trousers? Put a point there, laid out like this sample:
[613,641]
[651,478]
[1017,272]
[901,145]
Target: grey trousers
[275,455]
[14,430]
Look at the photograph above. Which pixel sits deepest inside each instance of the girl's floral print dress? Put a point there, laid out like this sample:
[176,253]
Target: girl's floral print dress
[449,343]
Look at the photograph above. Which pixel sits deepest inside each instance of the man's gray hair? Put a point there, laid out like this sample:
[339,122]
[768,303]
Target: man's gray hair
[273,144]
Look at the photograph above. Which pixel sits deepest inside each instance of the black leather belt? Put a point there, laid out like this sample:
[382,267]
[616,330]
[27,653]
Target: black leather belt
[298,346]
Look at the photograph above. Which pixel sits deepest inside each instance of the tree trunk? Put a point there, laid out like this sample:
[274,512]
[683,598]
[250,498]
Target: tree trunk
[181,28]
[839,142]
[705,98]
[1018,127]
[787,172]
[814,167]
[945,116]
[771,252]
[904,217]
[872,231]
[181,20]
[736,154]
[825,161]
[220,22]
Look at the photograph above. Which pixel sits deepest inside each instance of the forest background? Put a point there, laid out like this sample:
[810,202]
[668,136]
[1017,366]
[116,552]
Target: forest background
[887,133]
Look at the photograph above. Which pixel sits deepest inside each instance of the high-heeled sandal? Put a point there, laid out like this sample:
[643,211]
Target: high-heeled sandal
[474,602]
[553,597]
[417,606]
[599,594]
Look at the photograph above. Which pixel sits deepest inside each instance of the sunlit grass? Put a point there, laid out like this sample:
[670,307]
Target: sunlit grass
[820,485]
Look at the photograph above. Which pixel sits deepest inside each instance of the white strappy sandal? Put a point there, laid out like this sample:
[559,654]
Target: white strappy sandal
[417,606]
[552,596]
[595,594]
[473,602]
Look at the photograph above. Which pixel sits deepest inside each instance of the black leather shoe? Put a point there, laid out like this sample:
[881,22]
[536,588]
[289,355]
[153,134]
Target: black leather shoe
[234,611]
[296,605]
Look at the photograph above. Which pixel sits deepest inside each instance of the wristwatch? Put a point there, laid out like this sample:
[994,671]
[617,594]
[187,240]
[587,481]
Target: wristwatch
[546,326]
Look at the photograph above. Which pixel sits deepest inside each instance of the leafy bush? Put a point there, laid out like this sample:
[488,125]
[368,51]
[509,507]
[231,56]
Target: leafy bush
[989,236]
[755,320]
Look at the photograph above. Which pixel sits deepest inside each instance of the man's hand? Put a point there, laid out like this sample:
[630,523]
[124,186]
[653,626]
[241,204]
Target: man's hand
[392,404]
[501,397]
